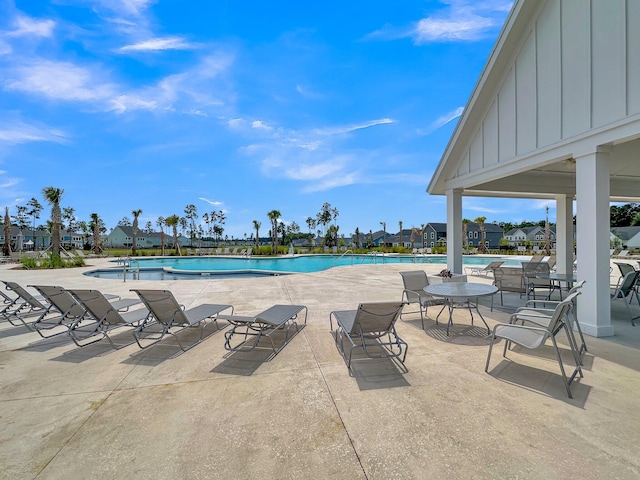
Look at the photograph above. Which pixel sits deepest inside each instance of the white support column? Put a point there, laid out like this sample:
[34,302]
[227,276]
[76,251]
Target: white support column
[564,233]
[454,230]
[592,242]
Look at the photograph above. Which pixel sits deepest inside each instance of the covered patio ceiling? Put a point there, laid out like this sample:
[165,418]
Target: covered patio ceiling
[558,177]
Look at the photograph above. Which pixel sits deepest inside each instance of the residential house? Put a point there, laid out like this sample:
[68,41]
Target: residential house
[434,235]
[406,238]
[122,237]
[629,237]
[534,236]
[380,238]
[15,236]
[493,234]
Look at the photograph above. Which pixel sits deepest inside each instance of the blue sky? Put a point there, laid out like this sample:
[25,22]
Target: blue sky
[243,107]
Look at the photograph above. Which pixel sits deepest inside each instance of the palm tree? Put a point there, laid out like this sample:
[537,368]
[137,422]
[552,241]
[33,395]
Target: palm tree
[136,214]
[95,225]
[36,208]
[414,231]
[274,215]
[6,246]
[465,236]
[384,236]
[334,214]
[480,221]
[311,223]
[84,228]
[160,223]
[256,225]
[172,221]
[53,196]
[400,239]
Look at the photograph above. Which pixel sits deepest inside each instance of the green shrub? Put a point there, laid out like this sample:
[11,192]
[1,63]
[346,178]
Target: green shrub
[29,263]
[50,262]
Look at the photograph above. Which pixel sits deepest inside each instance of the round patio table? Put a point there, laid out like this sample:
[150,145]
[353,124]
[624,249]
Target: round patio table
[457,294]
[557,279]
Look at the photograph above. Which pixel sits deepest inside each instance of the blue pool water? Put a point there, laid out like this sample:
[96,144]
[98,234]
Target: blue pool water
[190,268]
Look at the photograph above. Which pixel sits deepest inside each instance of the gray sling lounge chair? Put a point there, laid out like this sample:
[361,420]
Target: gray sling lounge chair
[170,317]
[106,317]
[263,325]
[370,327]
[483,271]
[23,307]
[6,299]
[64,308]
[414,281]
[534,337]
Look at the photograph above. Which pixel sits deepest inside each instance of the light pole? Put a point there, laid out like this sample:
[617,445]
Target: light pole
[384,236]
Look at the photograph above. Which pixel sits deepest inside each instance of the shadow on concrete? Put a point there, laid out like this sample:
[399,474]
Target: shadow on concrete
[541,381]
[154,354]
[97,349]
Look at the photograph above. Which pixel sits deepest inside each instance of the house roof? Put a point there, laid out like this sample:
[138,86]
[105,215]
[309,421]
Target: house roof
[128,231]
[488,227]
[437,226]
[625,233]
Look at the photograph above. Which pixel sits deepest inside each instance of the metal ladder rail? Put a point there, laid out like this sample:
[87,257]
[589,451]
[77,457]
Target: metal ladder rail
[340,257]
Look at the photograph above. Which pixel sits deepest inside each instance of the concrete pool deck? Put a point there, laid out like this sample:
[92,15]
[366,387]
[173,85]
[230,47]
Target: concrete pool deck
[99,413]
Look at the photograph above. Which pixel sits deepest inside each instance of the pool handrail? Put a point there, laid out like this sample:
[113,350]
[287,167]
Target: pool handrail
[340,257]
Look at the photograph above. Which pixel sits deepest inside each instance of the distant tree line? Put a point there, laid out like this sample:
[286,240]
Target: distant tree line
[625,215]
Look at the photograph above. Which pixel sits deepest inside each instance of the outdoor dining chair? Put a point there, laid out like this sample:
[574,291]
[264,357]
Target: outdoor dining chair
[534,337]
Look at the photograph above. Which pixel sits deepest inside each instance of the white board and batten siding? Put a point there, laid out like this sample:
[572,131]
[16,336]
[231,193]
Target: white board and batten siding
[576,69]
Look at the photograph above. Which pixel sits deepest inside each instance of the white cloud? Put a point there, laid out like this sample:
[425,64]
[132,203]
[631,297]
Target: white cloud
[133,8]
[19,132]
[334,182]
[235,122]
[8,183]
[315,171]
[462,20]
[59,80]
[125,103]
[210,202]
[305,92]
[350,128]
[442,120]
[471,27]
[494,211]
[260,125]
[191,92]
[159,44]
[26,26]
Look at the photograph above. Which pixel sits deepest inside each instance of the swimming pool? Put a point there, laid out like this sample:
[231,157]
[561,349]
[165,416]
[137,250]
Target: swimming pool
[190,268]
